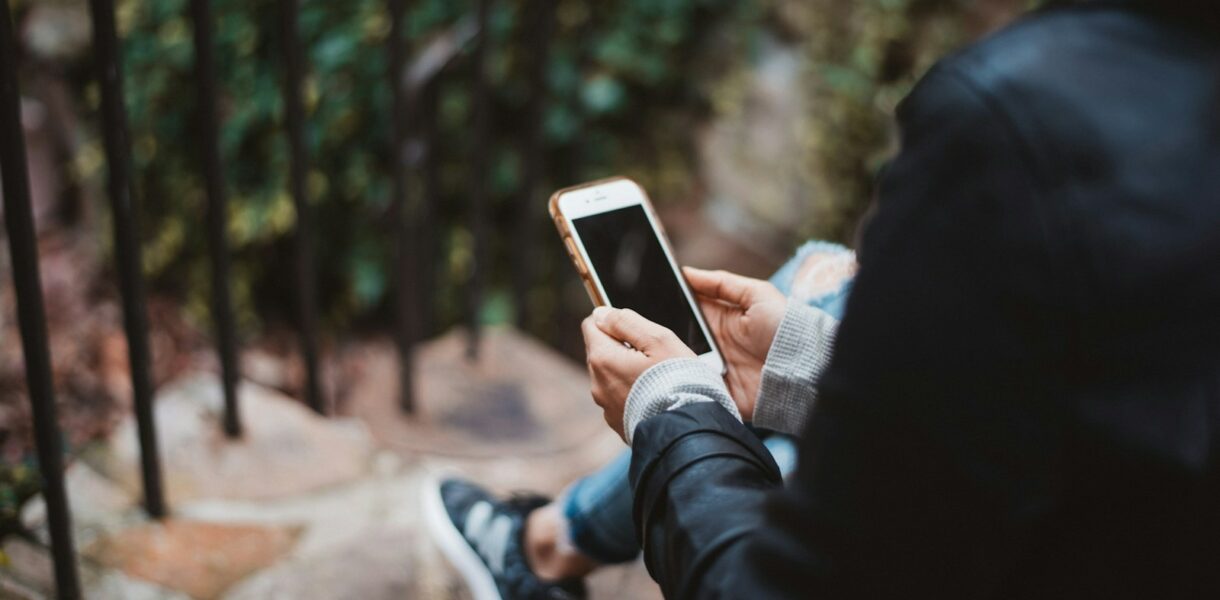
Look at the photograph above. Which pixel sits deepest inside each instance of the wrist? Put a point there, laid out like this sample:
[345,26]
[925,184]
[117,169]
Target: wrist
[799,354]
[670,384]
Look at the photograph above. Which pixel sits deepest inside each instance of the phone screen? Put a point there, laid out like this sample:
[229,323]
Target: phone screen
[635,273]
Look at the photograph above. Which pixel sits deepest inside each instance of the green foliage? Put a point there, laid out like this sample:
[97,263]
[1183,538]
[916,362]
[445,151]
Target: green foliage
[19,482]
[865,56]
[623,84]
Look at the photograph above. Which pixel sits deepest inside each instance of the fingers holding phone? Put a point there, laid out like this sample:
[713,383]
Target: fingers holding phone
[743,314]
[619,249]
[619,346]
[618,246]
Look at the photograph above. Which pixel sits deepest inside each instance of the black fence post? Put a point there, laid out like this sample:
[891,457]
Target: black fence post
[217,214]
[405,291]
[127,245]
[531,207]
[306,275]
[480,146]
[23,251]
[427,123]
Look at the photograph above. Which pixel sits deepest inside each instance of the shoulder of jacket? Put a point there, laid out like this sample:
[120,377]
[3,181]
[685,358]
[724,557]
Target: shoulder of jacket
[1052,47]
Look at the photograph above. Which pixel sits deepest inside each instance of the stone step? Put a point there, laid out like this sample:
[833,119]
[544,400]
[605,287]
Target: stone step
[316,508]
[285,448]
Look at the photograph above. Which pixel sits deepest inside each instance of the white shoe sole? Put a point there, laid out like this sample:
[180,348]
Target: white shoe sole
[455,548]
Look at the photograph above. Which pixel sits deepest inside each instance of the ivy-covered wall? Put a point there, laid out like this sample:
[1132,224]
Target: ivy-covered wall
[627,80]
[629,84]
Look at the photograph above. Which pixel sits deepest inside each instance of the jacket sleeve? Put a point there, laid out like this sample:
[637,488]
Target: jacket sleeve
[796,360]
[923,467]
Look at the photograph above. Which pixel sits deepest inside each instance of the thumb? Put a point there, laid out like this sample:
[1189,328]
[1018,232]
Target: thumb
[626,325]
[727,287]
[597,342]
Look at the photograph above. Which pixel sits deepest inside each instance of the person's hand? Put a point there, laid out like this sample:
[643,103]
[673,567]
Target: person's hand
[744,315]
[613,366]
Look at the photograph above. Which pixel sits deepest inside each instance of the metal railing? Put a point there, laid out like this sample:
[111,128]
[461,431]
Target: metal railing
[126,244]
[414,100]
[217,214]
[23,246]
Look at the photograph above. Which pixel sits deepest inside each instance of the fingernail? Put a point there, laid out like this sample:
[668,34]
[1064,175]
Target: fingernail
[600,313]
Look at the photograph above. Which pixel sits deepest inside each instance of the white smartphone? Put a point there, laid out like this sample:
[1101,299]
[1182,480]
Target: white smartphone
[617,244]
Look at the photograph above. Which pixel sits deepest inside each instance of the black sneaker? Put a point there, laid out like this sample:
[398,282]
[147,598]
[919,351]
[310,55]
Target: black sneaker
[481,537]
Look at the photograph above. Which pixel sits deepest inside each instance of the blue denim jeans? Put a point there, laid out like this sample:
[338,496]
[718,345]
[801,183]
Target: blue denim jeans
[598,507]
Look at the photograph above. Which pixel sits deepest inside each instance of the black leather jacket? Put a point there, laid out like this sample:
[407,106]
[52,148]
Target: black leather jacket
[1024,401]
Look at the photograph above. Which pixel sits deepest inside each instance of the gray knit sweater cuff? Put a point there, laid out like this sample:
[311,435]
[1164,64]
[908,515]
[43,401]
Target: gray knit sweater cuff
[670,384]
[799,354]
